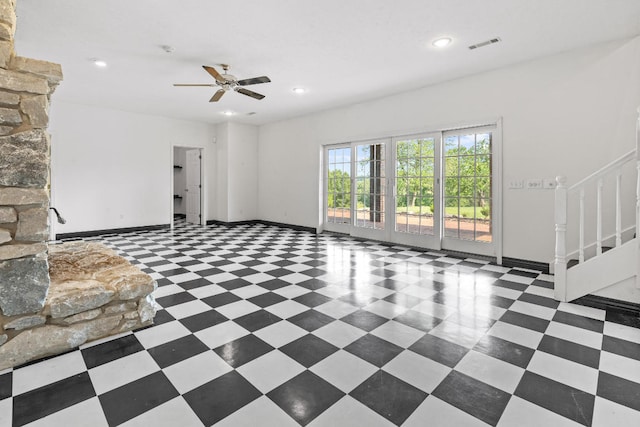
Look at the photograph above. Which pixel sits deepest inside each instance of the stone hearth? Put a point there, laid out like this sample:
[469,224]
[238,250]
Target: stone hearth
[80,292]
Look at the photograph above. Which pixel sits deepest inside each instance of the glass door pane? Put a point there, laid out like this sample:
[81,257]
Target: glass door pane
[338,193]
[370,186]
[414,180]
[467,186]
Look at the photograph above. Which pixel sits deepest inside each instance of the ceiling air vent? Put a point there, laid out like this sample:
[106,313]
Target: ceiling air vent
[483,44]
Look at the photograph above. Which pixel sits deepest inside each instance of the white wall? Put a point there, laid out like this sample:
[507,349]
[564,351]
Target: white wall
[237,179]
[563,115]
[112,169]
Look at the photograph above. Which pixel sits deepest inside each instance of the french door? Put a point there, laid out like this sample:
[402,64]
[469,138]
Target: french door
[432,190]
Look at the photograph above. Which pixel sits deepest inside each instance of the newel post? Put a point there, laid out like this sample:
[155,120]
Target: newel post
[560,263]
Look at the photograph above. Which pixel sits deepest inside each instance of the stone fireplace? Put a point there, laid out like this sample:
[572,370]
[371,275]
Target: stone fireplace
[52,298]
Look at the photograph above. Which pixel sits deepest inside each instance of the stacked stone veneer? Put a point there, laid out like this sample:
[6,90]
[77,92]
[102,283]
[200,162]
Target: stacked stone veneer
[31,312]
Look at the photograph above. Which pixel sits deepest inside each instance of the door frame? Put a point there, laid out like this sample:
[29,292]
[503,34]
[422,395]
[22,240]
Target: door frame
[203,182]
[496,187]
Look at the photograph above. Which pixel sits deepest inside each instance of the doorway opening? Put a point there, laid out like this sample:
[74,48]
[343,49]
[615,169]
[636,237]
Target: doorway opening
[187,189]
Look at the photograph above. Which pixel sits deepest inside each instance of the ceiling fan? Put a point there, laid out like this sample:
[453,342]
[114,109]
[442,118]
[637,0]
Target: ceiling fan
[227,82]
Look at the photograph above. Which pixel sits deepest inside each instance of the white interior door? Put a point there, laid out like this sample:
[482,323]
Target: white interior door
[193,186]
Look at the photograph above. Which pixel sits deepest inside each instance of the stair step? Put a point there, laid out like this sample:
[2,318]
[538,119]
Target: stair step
[574,262]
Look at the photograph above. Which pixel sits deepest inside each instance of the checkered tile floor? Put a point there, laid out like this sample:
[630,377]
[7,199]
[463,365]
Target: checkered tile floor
[266,326]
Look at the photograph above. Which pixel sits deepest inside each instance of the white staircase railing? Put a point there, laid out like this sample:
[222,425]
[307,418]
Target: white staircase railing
[595,180]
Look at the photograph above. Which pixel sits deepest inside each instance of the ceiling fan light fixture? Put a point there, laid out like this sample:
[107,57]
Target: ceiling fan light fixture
[442,42]
[299,90]
[99,62]
[228,113]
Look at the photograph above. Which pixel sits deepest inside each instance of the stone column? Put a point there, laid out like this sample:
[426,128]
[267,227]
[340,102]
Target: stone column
[25,89]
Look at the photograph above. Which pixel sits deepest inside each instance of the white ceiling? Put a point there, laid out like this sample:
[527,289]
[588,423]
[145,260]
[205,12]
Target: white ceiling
[342,51]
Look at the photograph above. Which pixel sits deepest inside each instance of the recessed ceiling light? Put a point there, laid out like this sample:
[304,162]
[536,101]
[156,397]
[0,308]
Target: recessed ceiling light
[299,90]
[228,113]
[99,63]
[442,42]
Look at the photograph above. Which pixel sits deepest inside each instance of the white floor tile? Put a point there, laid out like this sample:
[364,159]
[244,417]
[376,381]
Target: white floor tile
[207,291]
[522,413]
[533,310]
[344,370]
[461,335]
[175,412]
[269,371]
[386,309]
[575,334]
[623,332]
[122,371]
[339,333]
[292,291]
[336,309]
[565,371]
[619,366]
[237,309]
[286,309]
[420,372]
[280,333]
[261,412]
[348,412]
[160,334]
[608,413]
[180,311]
[581,310]
[434,412]
[489,370]
[398,333]
[249,291]
[518,279]
[166,290]
[48,371]
[6,412]
[195,371]
[220,334]
[516,334]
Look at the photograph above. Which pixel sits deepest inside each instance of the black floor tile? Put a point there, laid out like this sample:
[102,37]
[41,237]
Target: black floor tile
[310,320]
[569,350]
[374,350]
[221,397]
[203,320]
[621,347]
[234,284]
[403,300]
[221,299]
[266,299]
[510,285]
[209,272]
[442,351]
[619,390]
[388,396]
[6,385]
[174,272]
[257,320]
[162,316]
[364,320]
[243,350]
[557,397]
[623,318]
[418,320]
[312,299]
[177,350]
[129,401]
[506,351]
[579,321]
[111,350]
[525,321]
[43,401]
[539,300]
[175,299]
[193,284]
[305,396]
[481,400]
[308,350]
[313,284]
[273,284]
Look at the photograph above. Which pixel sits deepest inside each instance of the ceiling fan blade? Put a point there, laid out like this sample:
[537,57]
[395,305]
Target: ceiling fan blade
[216,75]
[254,81]
[188,84]
[216,96]
[249,93]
